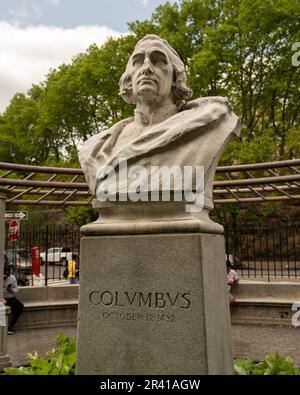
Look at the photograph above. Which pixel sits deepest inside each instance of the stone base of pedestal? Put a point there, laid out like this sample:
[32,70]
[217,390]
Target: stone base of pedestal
[4,357]
[4,362]
[153,304]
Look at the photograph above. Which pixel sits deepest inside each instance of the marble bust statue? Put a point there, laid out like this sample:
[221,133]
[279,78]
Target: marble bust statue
[166,129]
[155,255]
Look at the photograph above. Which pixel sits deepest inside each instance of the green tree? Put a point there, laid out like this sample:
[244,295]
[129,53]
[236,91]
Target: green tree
[241,49]
[52,119]
[18,125]
[236,48]
[82,98]
[81,215]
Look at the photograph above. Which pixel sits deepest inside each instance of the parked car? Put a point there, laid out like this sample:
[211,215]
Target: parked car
[20,275]
[20,261]
[56,255]
[234,260]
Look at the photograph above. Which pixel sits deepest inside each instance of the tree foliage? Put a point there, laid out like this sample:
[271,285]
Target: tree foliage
[50,121]
[241,49]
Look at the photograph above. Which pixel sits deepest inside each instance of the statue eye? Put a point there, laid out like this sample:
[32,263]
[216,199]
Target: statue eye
[158,58]
[138,60]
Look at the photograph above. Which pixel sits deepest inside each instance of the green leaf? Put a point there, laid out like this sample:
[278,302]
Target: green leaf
[60,361]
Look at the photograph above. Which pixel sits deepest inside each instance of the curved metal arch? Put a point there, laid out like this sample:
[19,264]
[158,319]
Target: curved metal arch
[56,186]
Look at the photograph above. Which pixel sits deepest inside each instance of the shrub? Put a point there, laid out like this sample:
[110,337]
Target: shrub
[59,361]
[273,364]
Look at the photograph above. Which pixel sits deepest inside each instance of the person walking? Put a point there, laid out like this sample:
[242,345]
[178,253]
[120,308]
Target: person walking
[232,278]
[72,269]
[10,288]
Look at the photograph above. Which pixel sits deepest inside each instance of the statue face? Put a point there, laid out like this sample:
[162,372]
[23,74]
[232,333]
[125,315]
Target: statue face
[151,72]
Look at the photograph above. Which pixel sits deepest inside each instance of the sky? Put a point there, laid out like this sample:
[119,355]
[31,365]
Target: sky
[36,35]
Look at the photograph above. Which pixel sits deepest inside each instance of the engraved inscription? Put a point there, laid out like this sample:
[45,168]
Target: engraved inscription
[161,305]
[130,316]
[155,300]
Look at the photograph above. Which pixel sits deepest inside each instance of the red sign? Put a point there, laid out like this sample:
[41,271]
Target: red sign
[35,253]
[13,230]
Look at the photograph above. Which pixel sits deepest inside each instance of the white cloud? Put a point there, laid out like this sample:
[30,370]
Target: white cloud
[25,10]
[31,9]
[53,2]
[27,54]
[144,2]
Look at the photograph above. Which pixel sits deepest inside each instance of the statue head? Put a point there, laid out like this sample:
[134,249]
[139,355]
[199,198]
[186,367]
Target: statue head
[154,70]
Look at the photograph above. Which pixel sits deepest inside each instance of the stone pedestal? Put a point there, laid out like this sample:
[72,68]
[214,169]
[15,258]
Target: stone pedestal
[153,303]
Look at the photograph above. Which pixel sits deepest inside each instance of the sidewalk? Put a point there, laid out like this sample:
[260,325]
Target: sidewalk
[273,280]
[249,341]
[28,341]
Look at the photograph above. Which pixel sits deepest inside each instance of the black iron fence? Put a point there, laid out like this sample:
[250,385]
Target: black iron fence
[42,249]
[266,252]
[271,251]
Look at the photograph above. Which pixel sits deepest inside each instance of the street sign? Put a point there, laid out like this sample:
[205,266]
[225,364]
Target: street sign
[13,230]
[9,215]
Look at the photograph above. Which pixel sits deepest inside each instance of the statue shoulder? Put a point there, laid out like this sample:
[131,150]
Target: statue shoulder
[215,108]
[94,151]
[208,101]
[95,142]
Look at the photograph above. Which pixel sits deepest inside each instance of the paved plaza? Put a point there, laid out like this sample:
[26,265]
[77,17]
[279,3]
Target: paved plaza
[29,341]
[248,341]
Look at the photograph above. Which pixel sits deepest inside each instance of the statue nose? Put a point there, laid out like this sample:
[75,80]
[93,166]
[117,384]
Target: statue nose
[147,66]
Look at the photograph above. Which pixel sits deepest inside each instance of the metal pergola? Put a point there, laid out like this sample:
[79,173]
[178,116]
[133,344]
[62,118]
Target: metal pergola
[55,186]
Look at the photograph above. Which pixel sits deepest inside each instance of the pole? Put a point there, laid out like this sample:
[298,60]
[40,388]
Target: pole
[2,240]
[46,255]
[4,358]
